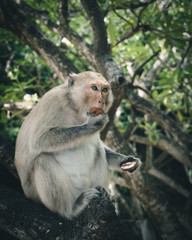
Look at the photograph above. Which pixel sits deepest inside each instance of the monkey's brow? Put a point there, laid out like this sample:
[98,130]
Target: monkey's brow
[103,85]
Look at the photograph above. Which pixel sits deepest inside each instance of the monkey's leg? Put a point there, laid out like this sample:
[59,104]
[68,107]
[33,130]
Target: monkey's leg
[84,199]
[53,185]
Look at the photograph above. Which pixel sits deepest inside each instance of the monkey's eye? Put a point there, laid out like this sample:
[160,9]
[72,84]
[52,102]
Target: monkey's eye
[105,90]
[94,88]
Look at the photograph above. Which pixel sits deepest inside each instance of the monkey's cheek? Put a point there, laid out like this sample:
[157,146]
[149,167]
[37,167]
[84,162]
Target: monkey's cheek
[129,166]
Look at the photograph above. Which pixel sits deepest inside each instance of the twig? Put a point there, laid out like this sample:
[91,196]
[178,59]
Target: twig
[185,54]
[142,65]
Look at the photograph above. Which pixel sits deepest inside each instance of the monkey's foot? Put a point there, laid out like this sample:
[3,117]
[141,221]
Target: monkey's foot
[130,164]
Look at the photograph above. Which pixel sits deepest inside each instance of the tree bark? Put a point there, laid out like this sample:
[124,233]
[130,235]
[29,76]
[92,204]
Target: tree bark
[25,219]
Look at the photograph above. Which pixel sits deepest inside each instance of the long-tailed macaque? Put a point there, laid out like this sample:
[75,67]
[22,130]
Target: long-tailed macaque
[59,156]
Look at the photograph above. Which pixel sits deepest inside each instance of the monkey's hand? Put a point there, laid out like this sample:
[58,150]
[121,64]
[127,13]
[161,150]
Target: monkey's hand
[130,164]
[97,122]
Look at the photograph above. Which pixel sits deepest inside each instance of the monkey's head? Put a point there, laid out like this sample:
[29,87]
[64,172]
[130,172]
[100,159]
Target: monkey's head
[90,90]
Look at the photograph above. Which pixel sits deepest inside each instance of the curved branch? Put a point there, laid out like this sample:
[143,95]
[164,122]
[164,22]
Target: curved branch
[163,120]
[168,146]
[15,21]
[62,29]
[169,181]
[38,14]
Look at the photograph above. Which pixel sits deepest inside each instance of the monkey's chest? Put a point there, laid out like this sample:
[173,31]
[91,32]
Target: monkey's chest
[80,164]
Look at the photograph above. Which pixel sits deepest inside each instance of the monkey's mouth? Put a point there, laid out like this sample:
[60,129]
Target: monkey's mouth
[96,111]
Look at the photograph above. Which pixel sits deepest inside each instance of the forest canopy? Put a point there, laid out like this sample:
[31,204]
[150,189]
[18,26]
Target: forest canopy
[144,50]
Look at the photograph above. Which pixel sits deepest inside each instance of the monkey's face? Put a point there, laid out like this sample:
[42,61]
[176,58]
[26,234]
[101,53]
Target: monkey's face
[90,90]
[96,95]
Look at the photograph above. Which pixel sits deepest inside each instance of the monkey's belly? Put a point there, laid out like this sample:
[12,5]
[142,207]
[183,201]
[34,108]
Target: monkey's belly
[84,166]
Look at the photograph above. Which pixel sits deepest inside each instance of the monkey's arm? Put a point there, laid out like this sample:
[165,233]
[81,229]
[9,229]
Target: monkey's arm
[117,161]
[56,139]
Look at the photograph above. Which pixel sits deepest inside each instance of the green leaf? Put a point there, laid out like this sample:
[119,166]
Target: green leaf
[180,116]
[4,117]
[111,32]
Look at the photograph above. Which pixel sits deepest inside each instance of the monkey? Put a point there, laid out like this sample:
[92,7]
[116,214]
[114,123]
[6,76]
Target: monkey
[60,158]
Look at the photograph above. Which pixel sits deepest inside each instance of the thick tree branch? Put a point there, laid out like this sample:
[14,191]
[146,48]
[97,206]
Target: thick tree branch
[28,220]
[97,23]
[103,59]
[7,156]
[15,21]
[131,5]
[166,145]
[163,120]
[63,14]
[169,181]
[43,16]
[62,29]
[73,37]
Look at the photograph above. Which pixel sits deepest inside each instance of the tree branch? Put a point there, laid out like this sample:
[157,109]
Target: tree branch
[97,23]
[73,37]
[166,145]
[168,181]
[15,21]
[37,14]
[163,120]
[142,65]
[62,29]
[63,14]
[7,156]
[131,5]
[25,219]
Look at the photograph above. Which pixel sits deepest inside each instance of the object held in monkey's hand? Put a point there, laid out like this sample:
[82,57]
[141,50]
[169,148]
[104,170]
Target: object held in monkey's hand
[96,111]
[129,165]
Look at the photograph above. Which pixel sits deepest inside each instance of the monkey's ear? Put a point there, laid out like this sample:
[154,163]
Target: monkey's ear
[71,79]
